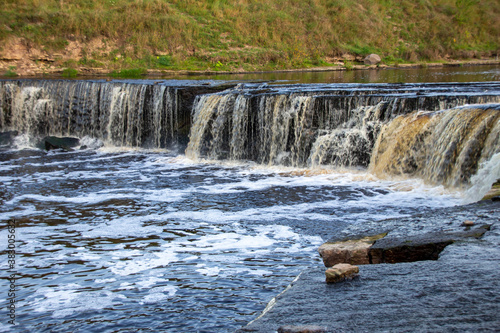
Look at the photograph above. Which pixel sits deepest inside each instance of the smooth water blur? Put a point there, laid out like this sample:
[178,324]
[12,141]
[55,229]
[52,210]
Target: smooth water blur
[390,75]
[115,240]
[466,73]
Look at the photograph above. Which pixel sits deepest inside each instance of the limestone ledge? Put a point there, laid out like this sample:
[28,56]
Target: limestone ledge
[386,248]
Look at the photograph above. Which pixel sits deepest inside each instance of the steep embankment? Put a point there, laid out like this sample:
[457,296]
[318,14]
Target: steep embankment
[131,36]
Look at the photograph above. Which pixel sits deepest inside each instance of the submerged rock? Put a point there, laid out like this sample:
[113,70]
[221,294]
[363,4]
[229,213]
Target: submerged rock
[7,138]
[341,272]
[54,142]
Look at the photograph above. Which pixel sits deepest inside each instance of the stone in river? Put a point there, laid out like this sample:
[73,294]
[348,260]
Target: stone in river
[65,143]
[341,272]
[372,59]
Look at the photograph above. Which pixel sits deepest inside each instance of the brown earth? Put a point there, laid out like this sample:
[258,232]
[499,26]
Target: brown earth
[19,58]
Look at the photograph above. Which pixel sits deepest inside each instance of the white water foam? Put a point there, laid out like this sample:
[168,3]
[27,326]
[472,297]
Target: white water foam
[486,176]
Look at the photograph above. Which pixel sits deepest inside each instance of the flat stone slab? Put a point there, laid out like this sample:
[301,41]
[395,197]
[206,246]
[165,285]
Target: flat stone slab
[393,247]
[422,247]
[459,292]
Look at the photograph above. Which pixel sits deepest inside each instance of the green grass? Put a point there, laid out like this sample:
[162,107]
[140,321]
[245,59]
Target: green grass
[11,72]
[251,34]
[69,72]
[133,73]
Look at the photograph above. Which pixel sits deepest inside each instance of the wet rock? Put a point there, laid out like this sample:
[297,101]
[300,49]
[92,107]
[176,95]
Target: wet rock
[65,143]
[468,223]
[354,252]
[494,192]
[341,272]
[301,329]
[418,248]
[7,138]
[387,248]
[372,59]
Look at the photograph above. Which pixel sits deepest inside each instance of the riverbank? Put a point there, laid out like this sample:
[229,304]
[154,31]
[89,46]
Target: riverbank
[19,67]
[458,291]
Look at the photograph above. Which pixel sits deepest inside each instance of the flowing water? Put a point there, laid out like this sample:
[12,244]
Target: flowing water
[187,206]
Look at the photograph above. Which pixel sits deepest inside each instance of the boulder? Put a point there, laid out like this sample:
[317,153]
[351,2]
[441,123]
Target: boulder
[341,272]
[65,143]
[372,59]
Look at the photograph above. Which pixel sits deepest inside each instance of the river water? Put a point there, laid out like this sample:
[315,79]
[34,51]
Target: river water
[122,239]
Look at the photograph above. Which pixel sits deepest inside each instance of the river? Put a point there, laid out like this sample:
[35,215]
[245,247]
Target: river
[126,232]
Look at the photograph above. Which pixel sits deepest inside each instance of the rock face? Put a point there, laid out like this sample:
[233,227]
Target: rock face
[341,272]
[372,59]
[384,248]
[354,252]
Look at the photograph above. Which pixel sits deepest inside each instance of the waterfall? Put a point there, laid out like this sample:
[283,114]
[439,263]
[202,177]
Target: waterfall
[421,130]
[332,126]
[117,113]
[487,175]
[444,147]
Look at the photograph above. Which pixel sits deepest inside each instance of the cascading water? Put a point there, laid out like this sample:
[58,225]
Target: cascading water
[148,240]
[443,147]
[329,127]
[117,113]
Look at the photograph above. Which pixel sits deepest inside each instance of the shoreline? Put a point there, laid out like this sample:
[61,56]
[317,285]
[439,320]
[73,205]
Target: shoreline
[38,71]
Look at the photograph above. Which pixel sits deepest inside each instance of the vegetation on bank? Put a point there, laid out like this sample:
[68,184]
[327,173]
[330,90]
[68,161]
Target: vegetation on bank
[247,35]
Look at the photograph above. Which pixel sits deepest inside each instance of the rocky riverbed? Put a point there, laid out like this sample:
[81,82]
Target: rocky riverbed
[460,291]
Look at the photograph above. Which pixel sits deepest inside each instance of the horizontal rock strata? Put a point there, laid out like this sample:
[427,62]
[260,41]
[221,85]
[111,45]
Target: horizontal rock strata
[388,249]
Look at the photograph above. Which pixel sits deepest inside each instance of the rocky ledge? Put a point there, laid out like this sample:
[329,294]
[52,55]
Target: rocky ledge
[436,272]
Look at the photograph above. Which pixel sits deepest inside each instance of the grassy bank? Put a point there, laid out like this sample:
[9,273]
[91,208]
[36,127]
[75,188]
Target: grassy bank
[244,35]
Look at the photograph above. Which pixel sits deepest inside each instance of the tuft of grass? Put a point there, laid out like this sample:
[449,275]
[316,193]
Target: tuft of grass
[10,72]
[133,73]
[348,65]
[69,72]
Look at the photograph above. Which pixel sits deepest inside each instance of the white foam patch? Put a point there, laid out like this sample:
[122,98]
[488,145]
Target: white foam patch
[140,264]
[208,271]
[148,282]
[69,299]
[109,280]
[159,294]
[124,226]
[91,198]
[228,241]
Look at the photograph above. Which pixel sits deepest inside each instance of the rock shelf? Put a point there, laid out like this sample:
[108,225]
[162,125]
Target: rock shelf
[456,290]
